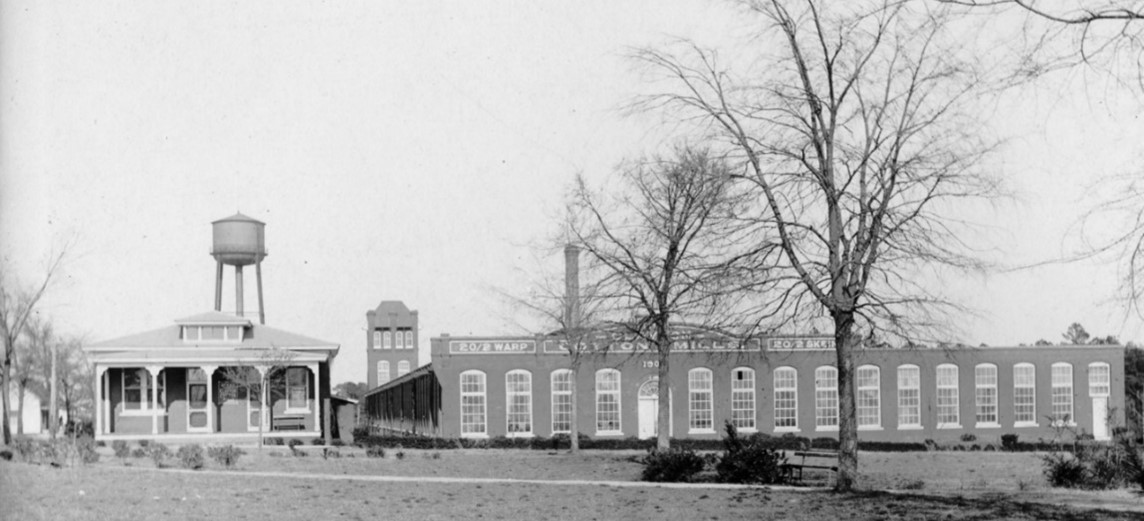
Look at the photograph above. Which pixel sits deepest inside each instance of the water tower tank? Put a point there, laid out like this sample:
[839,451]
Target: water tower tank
[239,240]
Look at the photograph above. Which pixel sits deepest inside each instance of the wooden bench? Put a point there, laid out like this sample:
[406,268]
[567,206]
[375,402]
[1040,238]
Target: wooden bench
[289,423]
[816,458]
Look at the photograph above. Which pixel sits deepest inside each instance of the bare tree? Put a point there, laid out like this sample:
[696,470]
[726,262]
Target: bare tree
[672,250]
[858,140]
[256,379]
[16,306]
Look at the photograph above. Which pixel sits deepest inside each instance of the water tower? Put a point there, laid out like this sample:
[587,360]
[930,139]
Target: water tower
[239,241]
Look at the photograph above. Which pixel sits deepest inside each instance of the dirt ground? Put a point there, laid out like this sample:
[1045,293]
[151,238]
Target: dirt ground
[955,486]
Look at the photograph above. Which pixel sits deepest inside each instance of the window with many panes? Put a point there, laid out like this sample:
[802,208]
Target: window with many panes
[909,397]
[1099,382]
[1062,393]
[743,399]
[869,397]
[409,340]
[136,390]
[382,372]
[562,401]
[297,389]
[473,404]
[518,403]
[985,384]
[386,339]
[377,339]
[826,398]
[1025,395]
[608,401]
[786,399]
[402,368]
[700,414]
[948,413]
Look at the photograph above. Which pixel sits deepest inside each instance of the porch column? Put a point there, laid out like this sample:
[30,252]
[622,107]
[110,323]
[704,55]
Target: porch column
[263,415]
[209,370]
[105,403]
[317,396]
[153,370]
[98,398]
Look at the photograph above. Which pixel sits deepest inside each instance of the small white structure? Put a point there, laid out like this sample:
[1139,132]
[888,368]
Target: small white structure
[34,416]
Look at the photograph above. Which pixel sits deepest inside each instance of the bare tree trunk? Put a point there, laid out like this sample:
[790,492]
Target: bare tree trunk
[6,380]
[53,390]
[663,414]
[262,418]
[574,432]
[21,389]
[847,412]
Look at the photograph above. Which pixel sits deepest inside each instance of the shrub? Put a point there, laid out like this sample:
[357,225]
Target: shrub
[1009,442]
[26,449]
[375,452]
[144,443]
[226,455]
[337,442]
[361,431]
[748,460]
[915,484]
[1063,470]
[159,453]
[317,441]
[968,437]
[6,455]
[191,456]
[121,449]
[275,441]
[399,455]
[85,449]
[328,453]
[294,442]
[139,452]
[671,465]
[436,455]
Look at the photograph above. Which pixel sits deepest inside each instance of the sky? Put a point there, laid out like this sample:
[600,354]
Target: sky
[417,151]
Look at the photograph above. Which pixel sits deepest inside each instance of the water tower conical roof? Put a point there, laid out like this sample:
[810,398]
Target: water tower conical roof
[238,217]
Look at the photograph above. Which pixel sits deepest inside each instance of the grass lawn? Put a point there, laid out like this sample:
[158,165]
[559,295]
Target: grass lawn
[947,485]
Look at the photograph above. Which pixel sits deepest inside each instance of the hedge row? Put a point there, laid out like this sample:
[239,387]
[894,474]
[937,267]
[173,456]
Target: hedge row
[564,442]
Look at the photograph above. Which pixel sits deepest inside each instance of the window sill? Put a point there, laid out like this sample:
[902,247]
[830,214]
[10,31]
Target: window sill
[826,428]
[949,426]
[1019,425]
[701,431]
[609,433]
[476,436]
[519,435]
[909,427]
[989,425]
[870,427]
[746,430]
[787,429]
[297,411]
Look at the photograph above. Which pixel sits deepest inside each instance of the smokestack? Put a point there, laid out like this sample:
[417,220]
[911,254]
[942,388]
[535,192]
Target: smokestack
[571,287]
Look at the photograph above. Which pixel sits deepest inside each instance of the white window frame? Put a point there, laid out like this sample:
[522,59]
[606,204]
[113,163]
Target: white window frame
[383,368]
[909,397]
[403,368]
[1064,406]
[561,390]
[386,339]
[826,398]
[875,389]
[1025,386]
[607,396]
[944,395]
[743,413]
[700,401]
[409,339]
[785,383]
[511,415]
[292,407]
[1099,387]
[376,339]
[986,396]
[144,405]
[468,428]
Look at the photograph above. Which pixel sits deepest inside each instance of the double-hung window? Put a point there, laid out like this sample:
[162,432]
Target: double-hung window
[561,401]
[1024,395]
[518,403]
[826,398]
[786,399]
[948,415]
[1062,394]
[869,397]
[909,397]
[743,399]
[402,368]
[985,383]
[297,389]
[608,402]
[699,401]
[382,372]
[473,404]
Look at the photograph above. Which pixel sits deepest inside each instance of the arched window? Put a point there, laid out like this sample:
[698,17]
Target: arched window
[386,339]
[1099,381]
[1062,394]
[699,401]
[409,340]
[518,403]
[985,384]
[1024,395]
[786,399]
[473,404]
[909,397]
[402,368]
[869,397]
[826,398]
[608,402]
[561,401]
[948,415]
[377,339]
[382,372]
[743,399]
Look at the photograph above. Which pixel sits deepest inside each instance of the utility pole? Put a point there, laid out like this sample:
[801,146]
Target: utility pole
[53,418]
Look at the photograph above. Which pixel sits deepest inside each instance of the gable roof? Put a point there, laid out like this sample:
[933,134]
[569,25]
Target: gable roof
[257,337]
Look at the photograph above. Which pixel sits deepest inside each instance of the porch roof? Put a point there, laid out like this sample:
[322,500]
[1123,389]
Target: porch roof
[195,357]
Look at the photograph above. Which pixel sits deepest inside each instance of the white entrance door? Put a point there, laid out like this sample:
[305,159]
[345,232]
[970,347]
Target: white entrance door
[197,405]
[1100,419]
[648,405]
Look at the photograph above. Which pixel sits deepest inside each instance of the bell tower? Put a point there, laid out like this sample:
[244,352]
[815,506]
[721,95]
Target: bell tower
[391,342]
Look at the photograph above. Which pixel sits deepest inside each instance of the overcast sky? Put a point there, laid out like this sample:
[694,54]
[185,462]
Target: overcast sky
[412,151]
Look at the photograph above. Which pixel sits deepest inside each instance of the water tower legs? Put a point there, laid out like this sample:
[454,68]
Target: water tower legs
[218,288]
[261,309]
[238,290]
